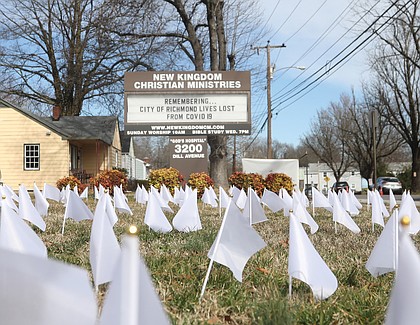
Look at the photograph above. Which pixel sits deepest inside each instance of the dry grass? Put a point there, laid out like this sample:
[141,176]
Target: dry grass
[178,264]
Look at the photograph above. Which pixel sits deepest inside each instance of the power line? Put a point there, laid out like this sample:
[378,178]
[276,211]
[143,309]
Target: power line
[341,62]
[329,69]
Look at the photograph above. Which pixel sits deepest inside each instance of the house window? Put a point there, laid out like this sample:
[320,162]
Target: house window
[31,157]
[74,158]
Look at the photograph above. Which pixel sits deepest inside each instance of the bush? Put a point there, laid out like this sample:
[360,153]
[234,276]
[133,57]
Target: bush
[110,178]
[72,181]
[243,180]
[171,177]
[275,181]
[200,181]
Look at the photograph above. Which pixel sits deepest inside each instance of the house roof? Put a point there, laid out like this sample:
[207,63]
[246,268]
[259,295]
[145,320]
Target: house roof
[75,127]
[125,142]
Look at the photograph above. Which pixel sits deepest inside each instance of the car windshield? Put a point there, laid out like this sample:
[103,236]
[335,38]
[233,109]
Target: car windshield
[341,184]
[390,179]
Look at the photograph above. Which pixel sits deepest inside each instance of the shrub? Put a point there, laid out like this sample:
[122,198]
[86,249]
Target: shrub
[171,177]
[110,178]
[72,181]
[200,181]
[275,181]
[243,180]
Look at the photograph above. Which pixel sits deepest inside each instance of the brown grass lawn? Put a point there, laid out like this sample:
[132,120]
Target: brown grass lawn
[178,263]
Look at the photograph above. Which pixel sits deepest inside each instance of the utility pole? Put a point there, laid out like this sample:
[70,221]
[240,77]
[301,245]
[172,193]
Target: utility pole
[268,47]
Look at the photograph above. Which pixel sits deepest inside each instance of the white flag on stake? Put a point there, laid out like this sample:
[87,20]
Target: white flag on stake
[41,203]
[236,242]
[209,199]
[224,198]
[51,192]
[382,259]
[340,215]
[76,209]
[320,201]
[300,211]
[405,294]
[16,235]
[272,200]
[154,217]
[392,200]
[120,201]
[132,298]
[253,211]
[27,210]
[306,264]
[104,248]
[41,291]
[188,218]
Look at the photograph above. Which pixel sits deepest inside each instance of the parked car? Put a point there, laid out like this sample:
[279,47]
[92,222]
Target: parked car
[338,186]
[308,192]
[389,182]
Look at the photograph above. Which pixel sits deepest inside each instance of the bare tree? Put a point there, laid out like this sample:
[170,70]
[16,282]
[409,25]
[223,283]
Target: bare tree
[56,53]
[204,31]
[326,140]
[359,133]
[397,80]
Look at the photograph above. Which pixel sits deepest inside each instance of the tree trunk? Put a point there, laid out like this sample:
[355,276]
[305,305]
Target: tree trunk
[218,159]
[415,170]
[218,143]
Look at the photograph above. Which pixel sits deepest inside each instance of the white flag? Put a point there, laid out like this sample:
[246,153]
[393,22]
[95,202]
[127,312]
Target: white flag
[141,196]
[272,200]
[303,215]
[348,203]
[208,198]
[40,291]
[85,193]
[154,217]
[166,194]
[188,218]
[164,205]
[253,211]
[377,216]
[403,307]
[340,215]
[306,264]
[408,208]
[382,259]
[16,235]
[27,210]
[241,200]
[236,242]
[287,201]
[224,198]
[41,203]
[76,209]
[7,198]
[132,298]
[120,201]
[320,201]
[392,200]
[104,248]
[179,196]
[51,192]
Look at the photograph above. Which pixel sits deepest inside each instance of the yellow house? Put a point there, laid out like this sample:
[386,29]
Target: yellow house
[45,149]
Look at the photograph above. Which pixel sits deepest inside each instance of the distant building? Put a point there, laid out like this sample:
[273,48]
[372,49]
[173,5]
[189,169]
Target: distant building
[45,149]
[136,168]
[322,177]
